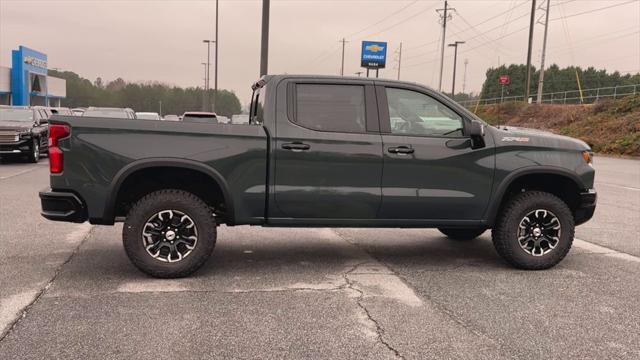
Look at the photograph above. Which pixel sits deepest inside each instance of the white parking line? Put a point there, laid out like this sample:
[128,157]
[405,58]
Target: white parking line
[597,249]
[19,173]
[618,186]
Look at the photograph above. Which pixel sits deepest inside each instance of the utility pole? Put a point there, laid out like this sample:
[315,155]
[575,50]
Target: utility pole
[207,73]
[264,46]
[528,76]
[444,36]
[343,41]
[464,77]
[455,60]
[399,59]
[544,49]
[215,70]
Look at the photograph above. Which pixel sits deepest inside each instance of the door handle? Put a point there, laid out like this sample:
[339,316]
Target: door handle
[296,146]
[401,150]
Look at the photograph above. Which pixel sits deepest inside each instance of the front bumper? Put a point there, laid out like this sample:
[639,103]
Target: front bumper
[62,206]
[20,147]
[586,206]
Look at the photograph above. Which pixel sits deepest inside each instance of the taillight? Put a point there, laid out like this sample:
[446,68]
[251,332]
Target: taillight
[56,157]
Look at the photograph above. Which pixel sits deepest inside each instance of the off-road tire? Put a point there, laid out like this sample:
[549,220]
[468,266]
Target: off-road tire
[34,151]
[505,231]
[462,234]
[151,204]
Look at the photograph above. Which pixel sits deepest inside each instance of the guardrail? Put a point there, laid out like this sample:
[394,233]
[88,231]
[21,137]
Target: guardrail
[589,96]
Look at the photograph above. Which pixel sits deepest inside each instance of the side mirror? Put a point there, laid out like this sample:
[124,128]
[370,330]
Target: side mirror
[476,133]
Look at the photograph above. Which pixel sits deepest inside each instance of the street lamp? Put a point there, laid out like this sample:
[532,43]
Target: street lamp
[208,42]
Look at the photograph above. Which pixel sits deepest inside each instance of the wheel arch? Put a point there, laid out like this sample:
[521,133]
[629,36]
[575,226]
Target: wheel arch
[157,163]
[536,178]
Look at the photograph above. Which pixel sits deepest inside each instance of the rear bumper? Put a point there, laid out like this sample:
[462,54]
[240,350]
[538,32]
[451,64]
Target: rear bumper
[62,206]
[586,207]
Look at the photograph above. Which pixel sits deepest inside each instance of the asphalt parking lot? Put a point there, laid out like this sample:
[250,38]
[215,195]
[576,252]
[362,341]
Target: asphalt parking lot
[68,291]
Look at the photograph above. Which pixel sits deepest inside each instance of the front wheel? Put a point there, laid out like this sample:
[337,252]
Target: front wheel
[462,234]
[534,230]
[169,234]
[34,154]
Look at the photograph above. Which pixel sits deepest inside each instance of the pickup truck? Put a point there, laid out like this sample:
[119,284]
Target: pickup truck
[321,152]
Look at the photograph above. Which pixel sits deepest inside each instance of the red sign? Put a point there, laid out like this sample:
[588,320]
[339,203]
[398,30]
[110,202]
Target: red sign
[503,80]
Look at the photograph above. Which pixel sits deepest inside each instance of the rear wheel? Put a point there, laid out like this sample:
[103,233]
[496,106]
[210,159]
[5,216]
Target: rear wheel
[169,234]
[462,234]
[534,231]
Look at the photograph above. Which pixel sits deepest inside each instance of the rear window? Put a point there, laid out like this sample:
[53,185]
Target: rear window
[200,118]
[327,107]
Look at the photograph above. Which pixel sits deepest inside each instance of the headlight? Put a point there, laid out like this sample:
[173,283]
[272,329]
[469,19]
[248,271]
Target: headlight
[587,156]
[25,134]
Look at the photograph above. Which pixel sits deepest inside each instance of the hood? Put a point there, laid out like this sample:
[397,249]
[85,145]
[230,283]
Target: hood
[15,125]
[512,135]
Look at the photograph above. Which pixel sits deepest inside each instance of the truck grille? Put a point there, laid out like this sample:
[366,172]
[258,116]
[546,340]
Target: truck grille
[8,136]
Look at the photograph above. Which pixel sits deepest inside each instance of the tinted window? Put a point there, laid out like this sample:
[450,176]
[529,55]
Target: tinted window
[414,113]
[200,118]
[330,107]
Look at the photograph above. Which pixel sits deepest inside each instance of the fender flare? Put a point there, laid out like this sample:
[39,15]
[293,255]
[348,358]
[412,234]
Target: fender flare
[496,199]
[129,169]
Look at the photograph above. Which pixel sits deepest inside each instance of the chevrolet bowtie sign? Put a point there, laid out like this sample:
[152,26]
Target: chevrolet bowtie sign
[374,54]
[30,60]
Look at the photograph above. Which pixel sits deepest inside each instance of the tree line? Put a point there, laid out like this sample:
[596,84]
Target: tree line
[555,80]
[82,92]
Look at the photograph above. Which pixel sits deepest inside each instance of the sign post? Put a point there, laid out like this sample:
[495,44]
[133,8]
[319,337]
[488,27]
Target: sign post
[373,56]
[503,80]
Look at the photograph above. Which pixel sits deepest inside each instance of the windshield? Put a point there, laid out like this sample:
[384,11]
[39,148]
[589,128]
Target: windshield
[200,118]
[115,113]
[23,115]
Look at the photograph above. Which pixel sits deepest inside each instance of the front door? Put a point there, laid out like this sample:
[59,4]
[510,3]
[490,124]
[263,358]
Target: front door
[430,170]
[328,152]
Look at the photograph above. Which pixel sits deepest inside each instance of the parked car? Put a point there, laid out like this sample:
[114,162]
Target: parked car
[171,118]
[117,113]
[223,119]
[78,111]
[200,116]
[23,131]
[61,111]
[322,151]
[148,116]
[240,119]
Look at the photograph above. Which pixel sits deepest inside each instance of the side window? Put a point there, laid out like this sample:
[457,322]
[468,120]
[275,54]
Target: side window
[327,107]
[414,113]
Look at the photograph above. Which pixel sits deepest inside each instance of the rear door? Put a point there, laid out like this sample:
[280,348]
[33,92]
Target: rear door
[430,170]
[328,151]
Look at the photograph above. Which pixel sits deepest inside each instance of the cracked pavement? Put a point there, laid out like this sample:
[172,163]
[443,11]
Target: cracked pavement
[68,291]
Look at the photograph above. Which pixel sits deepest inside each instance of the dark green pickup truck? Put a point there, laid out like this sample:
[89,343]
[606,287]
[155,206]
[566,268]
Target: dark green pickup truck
[321,151]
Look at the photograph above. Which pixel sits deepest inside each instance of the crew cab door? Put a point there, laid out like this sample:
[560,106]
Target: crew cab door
[430,170]
[328,151]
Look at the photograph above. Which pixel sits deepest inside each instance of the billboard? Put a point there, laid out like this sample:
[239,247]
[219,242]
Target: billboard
[374,54]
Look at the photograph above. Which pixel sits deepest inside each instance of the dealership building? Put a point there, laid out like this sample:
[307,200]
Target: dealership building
[27,81]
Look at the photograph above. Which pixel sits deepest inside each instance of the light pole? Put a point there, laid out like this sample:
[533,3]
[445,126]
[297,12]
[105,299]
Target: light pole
[455,60]
[207,103]
[264,43]
[215,68]
[204,93]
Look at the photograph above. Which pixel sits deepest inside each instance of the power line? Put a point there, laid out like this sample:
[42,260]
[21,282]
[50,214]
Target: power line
[593,10]
[381,20]
[403,21]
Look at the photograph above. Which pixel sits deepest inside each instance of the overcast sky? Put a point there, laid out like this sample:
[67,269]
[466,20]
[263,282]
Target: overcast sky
[162,40]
